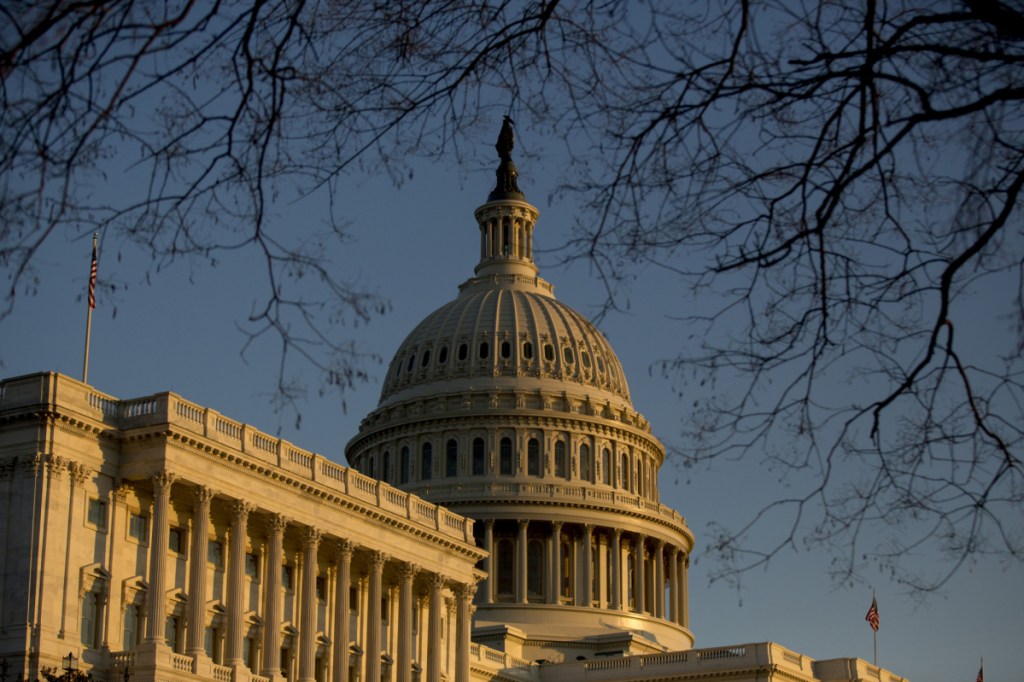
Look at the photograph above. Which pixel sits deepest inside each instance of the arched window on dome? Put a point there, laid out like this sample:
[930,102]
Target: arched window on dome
[505,564]
[549,352]
[535,570]
[606,466]
[426,461]
[386,473]
[568,355]
[478,456]
[485,350]
[624,481]
[506,350]
[412,361]
[585,463]
[567,572]
[442,355]
[533,457]
[630,582]
[403,464]
[426,358]
[451,459]
[505,466]
[463,351]
[528,351]
[561,470]
[641,476]
[585,357]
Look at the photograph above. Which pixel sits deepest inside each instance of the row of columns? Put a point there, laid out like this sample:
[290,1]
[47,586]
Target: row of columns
[307,645]
[661,555]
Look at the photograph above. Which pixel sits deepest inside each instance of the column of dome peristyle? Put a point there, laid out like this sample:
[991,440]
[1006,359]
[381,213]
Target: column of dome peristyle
[506,238]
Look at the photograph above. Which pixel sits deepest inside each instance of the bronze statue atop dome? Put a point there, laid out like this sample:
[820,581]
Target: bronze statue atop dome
[507,174]
[506,140]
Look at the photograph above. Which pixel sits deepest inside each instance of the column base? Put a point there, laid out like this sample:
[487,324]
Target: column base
[202,665]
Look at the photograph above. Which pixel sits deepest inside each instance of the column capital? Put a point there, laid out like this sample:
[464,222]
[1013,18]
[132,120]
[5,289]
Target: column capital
[343,549]
[557,526]
[464,592]
[311,537]
[408,571]
[162,481]
[80,473]
[378,559]
[203,494]
[240,510]
[489,523]
[523,524]
[588,528]
[55,466]
[659,544]
[436,581]
[277,523]
[617,533]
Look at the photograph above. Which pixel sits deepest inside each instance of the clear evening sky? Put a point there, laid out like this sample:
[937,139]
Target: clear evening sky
[415,244]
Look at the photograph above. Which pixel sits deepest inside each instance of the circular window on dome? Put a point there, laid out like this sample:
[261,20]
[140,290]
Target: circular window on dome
[567,354]
[528,350]
[549,352]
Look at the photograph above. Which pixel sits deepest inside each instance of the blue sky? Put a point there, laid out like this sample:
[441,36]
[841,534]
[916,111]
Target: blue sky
[414,245]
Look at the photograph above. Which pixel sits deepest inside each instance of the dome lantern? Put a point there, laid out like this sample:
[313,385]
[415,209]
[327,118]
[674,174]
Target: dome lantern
[506,221]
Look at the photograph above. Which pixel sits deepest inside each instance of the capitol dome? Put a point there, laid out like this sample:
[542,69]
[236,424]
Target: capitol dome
[509,407]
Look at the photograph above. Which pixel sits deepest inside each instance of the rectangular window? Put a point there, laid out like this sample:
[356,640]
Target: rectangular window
[215,554]
[131,627]
[353,600]
[90,616]
[172,632]
[249,654]
[321,588]
[138,527]
[287,578]
[96,514]
[252,566]
[176,540]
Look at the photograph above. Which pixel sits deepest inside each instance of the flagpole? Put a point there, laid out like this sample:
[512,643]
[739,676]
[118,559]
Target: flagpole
[874,631]
[90,304]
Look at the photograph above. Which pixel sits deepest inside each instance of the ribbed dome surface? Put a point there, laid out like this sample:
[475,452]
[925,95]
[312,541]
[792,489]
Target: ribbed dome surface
[504,325]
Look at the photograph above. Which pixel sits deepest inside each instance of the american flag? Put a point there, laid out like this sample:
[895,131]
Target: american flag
[872,617]
[92,278]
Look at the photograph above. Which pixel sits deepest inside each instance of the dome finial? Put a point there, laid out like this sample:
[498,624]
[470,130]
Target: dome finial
[507,173]
[506,139]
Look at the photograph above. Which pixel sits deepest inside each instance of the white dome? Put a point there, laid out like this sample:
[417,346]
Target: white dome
[503,328]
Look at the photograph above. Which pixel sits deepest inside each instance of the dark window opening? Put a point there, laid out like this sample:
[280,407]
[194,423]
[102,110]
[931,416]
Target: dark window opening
[463,351]
[484,350]
[451,466]
[528,350]
[506,349]
[478,456]
[505,454]
[549,352]
[442,357]
[533,458]
[412,361]
[567,354]
[427,462]
[426,358]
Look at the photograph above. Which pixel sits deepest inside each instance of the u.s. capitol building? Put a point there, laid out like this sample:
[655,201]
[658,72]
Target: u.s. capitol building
[499,520]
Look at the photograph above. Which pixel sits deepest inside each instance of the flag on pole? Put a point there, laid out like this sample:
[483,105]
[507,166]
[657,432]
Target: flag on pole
[92,277]
[872,617]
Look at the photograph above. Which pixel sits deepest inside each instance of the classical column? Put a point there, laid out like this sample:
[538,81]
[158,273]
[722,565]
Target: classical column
[638,575]
[659,580]
[463,628]
[556,561]
[236,581]
[489,561]
[616,569]
[156,615]
[521,595]
[673,585]
[684,607]
[307,624]
[434,630]
[197,573]
[272,598]
[407,575]
[372,651]
[342,633]
[586,594]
